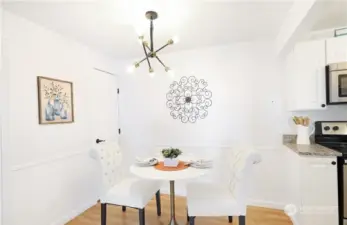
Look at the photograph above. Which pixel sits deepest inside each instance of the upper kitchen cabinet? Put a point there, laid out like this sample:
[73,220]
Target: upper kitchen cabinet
[337,50]
[305,77]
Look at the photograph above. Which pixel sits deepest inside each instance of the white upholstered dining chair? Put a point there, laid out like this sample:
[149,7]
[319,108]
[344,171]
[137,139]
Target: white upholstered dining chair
[230,199]
[120,190]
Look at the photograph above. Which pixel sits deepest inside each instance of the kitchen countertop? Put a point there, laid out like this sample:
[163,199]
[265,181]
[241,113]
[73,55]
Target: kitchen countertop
[309,150]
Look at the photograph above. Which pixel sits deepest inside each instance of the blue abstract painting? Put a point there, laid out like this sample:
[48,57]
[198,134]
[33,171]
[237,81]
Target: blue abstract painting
[55,101]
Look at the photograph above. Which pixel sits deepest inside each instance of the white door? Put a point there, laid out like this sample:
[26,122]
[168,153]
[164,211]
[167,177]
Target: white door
[103,106]
[337,50]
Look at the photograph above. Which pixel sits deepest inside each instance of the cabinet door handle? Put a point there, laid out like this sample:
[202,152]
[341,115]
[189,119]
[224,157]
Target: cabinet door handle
[333,163]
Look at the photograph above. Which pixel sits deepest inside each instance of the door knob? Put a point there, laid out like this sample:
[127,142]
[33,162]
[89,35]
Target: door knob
[99,141]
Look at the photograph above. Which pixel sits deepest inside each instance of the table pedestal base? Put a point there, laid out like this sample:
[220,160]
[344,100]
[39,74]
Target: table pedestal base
[172,203]
[173,222]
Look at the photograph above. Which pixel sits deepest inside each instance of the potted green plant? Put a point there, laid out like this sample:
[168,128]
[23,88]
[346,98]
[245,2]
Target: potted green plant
[170,156]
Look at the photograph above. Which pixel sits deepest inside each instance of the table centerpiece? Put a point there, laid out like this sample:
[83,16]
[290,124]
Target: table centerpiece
[170,156]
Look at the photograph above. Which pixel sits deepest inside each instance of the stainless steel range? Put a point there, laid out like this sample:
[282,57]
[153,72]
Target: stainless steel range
[333,134]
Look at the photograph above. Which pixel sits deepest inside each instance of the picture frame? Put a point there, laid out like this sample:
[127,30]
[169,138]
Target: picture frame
[55,101]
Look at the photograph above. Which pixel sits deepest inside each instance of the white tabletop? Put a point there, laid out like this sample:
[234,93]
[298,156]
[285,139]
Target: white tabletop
[152,173]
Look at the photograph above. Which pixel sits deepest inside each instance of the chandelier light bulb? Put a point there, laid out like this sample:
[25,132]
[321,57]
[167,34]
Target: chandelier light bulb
[151,72]
[131,69]
[140,39]
[139,31]
[171,74]
[175,39]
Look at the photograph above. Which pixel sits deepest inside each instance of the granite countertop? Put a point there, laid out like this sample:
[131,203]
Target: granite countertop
[309,150]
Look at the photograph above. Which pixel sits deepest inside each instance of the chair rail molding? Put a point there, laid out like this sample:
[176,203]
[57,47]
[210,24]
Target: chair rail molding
[267,204]
[47,161]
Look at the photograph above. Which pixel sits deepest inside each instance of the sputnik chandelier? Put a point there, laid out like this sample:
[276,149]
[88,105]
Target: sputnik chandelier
[148,48]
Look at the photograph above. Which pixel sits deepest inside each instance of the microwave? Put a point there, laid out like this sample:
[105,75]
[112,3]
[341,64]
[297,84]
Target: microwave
[336,83]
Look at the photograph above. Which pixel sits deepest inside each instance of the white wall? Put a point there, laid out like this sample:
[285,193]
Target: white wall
[144,100]
[246,80]
[2,103]
[246,109]
[49,176]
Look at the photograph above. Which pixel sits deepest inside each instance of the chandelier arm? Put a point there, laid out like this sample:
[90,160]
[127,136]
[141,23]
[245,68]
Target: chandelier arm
[148,48]
[147,55]
[159,49]
[142,60]
[161,62]
[151,36]
[144,49]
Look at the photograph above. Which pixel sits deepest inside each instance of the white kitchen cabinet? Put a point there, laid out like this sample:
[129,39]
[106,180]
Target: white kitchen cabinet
[318,184]
[290,81]
[305,77]
[318,190]
[336,50]
[314,191]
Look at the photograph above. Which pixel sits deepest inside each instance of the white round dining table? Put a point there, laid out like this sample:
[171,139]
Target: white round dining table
[171,176]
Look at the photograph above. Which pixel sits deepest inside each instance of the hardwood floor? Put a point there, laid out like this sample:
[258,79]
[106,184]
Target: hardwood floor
[115,216]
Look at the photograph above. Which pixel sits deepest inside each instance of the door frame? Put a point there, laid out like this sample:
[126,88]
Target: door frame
[118,100]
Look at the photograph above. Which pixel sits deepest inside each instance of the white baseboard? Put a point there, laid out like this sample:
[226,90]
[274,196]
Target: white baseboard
[266,204]
[180,191]
[74,213]
[252,202]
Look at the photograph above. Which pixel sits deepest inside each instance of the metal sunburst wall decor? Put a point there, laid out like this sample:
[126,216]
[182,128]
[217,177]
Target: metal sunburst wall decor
[189,99]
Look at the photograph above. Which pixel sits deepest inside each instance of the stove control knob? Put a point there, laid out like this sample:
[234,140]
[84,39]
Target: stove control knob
[326,128]
[335,128]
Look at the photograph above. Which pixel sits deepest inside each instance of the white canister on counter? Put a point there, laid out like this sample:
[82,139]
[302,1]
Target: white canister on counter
[304,133]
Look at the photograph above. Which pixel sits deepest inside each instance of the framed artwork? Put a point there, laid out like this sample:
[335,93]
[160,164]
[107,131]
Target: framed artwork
[55,101]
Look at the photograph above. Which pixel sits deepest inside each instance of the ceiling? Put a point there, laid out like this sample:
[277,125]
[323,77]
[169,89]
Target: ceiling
[109,25]
[334,15]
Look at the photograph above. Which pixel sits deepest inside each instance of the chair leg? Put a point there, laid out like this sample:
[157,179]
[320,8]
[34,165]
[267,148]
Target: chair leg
[124,208]
[191,220]
[230,219]
[142,216]
[103,213]
[157,199]
[242,220]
